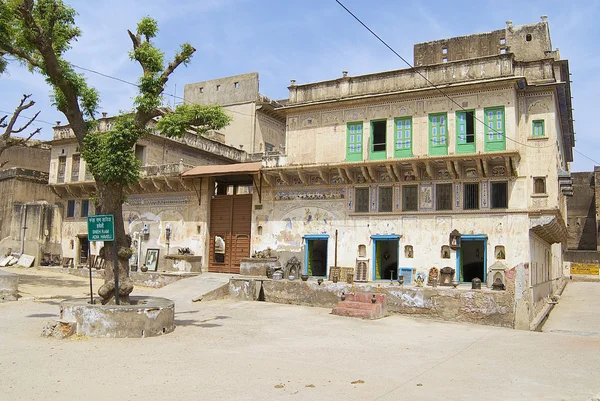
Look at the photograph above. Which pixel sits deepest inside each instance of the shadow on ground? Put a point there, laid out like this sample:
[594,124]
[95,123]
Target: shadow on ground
[200,323]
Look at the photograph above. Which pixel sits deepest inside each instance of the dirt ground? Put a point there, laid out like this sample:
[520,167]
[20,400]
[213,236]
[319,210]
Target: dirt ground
[225,350]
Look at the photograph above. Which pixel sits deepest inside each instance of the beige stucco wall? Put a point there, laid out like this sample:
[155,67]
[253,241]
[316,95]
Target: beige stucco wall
[284,223]
[182,211]
[320,136]
[269,130]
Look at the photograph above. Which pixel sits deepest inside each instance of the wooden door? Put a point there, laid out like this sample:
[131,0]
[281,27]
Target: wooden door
[229,232]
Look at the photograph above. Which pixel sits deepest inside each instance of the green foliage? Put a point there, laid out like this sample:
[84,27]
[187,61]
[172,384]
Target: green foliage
[147,27]
[52,23]
[192,116]
[110,155]
[185,53]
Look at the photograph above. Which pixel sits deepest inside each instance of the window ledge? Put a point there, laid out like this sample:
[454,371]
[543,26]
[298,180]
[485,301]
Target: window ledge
[537,138]
[539,195]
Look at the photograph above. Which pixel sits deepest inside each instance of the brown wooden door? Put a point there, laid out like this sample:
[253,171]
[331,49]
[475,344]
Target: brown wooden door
[229,232]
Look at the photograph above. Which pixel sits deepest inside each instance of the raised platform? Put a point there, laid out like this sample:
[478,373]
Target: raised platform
[147,317]
[9,286]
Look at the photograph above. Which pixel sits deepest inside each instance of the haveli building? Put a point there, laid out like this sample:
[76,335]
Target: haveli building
[381,169]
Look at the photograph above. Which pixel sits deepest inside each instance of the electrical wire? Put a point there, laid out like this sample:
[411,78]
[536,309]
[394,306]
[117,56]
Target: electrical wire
[431,83]
[137,86]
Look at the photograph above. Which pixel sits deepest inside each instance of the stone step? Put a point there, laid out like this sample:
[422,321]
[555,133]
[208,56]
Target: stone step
[361,313]
[360,305]
[365,297]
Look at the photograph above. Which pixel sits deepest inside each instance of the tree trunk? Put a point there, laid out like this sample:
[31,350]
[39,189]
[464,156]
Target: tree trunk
[110,201]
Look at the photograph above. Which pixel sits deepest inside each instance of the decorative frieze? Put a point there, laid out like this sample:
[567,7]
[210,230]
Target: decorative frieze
[310,194]
[159,201]
[499,171]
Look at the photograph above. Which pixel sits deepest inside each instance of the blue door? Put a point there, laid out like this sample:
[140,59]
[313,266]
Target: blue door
[471,258]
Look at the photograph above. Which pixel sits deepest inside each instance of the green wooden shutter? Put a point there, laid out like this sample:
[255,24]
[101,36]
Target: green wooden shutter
[403,137]
[438,134]
[538,128]
[495,138]
[465,143]
[354,142]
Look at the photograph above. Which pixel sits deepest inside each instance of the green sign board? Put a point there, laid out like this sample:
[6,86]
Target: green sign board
[101,228]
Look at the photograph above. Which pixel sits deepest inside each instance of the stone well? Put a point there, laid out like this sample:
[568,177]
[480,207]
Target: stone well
[9,284]
[146,317]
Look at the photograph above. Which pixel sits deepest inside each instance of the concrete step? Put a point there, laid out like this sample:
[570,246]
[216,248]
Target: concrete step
[360,305]
[365,297]
[361,313]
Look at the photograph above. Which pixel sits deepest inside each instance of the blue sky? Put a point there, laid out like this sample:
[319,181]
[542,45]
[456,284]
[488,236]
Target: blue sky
[307,40]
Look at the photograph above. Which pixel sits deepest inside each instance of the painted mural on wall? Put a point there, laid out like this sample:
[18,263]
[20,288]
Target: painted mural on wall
[312,194]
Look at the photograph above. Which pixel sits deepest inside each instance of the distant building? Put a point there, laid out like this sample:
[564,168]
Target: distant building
[256,127]
[27,211]
[583,254]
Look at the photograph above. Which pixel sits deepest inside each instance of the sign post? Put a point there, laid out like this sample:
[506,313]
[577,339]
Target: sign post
[102,228]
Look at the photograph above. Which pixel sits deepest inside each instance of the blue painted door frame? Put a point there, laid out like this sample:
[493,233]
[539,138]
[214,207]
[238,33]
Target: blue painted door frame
[312,237]
[376,238]
[476,237]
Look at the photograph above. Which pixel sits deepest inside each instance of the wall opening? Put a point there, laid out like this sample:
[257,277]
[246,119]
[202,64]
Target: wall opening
[316,257]
[386,259]
[379,134]
[472,259]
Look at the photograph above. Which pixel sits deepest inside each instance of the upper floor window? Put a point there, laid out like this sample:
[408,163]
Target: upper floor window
[495,138]
[499,194]
[410,198]
[539,185]
[62,167]
[443,197]
[85,207]
[76,162]
[140,153]
[438,134]
[361,200]
[403,137]
[465,132]
[71,208]
[378,139]
[385,199]
[471,196]
[354,140]
[538,128]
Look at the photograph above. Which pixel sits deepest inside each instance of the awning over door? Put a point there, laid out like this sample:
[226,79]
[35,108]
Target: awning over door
[216,170]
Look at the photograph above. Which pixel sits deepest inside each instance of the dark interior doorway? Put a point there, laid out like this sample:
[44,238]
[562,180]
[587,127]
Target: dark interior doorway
[472,258]
[317,257]
[386,262]
[84,248]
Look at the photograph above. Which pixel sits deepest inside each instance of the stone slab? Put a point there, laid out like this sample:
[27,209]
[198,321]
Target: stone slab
[146,317]
[25,260]
[9,286]
[257,267]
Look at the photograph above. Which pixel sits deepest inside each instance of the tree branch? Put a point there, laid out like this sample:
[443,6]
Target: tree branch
[16,52]
[164,77]
[44,46]
[10,126]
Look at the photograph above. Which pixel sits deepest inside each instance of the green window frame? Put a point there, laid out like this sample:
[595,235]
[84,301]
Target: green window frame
[354,142]
[438,134]
[378,149]
[465,132]
[495,134]
[403,137]
[538,128]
